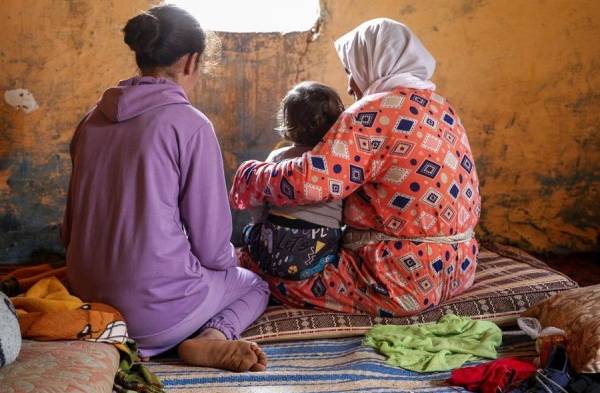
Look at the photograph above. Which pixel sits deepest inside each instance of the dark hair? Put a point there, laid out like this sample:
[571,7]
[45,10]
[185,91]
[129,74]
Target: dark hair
[162,35]
[307,112]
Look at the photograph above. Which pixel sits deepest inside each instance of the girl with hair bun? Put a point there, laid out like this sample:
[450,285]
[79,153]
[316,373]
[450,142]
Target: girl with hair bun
[147,225]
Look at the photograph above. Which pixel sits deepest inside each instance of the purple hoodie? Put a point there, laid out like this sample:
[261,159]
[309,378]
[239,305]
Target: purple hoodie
[147,208]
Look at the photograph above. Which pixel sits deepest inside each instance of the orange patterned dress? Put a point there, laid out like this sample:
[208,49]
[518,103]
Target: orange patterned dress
[402,161]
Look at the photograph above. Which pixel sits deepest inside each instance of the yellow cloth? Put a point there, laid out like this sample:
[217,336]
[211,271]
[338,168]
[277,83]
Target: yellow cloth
[48,312]
[47,295]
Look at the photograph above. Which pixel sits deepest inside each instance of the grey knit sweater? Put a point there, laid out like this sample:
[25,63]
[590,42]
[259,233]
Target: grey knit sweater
[10,334]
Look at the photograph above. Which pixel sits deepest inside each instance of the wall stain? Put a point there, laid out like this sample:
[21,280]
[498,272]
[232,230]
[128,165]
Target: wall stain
[32,209]
[468,7]
[488,128]
[585,102]
[408,9]
[512,121]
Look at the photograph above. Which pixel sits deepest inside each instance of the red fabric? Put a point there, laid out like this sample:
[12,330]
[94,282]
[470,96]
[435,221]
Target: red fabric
[493,376]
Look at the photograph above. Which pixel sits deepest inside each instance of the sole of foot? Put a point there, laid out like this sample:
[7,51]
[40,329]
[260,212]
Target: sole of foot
[235,355]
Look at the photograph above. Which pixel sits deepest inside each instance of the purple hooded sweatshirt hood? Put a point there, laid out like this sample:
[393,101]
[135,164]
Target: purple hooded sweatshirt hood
[138,95]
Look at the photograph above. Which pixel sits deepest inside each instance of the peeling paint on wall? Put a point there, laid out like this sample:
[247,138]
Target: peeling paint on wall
[66,54]
[30,213]
[21,99]
[531,107]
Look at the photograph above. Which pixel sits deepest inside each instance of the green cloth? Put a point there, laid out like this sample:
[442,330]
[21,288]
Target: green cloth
[133,377]
[441,346]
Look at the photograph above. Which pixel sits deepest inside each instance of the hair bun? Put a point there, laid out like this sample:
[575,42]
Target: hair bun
[142,32]
[162,35]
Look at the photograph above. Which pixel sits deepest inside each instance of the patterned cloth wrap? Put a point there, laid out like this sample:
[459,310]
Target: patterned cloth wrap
[292,249]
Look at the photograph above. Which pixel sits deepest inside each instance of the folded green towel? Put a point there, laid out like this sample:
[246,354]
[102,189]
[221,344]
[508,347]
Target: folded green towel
[440,346]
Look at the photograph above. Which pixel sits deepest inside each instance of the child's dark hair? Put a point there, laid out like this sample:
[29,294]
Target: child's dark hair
[162,35]
[307,112]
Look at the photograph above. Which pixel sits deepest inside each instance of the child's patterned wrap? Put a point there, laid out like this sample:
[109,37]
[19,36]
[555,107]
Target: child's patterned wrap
[10,334]
[292,249]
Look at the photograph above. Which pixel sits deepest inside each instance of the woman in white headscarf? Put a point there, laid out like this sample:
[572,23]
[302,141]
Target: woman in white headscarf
[382,54]
[401,159]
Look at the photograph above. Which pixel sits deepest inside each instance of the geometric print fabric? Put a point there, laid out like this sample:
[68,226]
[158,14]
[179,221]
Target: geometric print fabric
[405,170]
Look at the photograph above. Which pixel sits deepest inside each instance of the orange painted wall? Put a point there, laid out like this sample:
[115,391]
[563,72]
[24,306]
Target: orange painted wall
[525,77]
[523,74]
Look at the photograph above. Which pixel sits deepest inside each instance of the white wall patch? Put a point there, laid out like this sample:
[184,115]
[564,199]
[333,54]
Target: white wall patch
[21,99]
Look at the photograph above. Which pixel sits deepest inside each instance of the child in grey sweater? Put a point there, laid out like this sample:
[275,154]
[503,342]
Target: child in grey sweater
[297,242]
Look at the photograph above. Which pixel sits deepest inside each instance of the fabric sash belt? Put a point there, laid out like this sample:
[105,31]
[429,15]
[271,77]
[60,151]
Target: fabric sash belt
[356,238]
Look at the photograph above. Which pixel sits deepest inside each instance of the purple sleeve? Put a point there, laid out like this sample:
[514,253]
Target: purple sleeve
[203,202]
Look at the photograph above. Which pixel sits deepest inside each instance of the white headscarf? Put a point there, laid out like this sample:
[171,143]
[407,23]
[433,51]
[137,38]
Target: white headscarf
[382,54]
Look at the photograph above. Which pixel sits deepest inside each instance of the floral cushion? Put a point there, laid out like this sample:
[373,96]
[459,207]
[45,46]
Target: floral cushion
[61,366]
[577,312]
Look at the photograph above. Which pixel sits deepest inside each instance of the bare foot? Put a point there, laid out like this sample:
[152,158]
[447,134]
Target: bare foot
[235,355]
[261,365]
